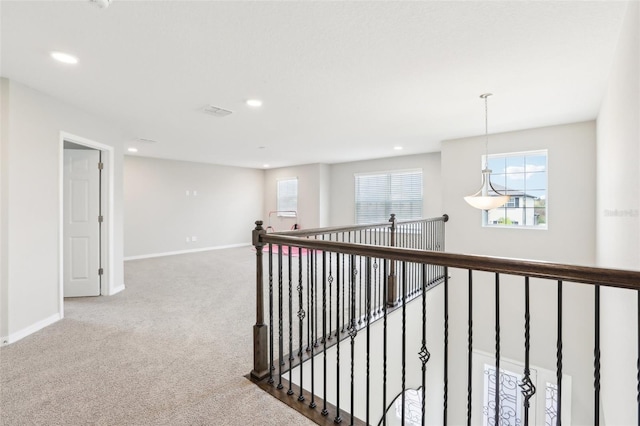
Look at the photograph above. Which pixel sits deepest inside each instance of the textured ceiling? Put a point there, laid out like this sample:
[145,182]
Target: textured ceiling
[340,81]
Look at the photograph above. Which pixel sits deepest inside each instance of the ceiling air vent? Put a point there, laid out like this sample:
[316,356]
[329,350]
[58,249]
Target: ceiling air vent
[145,140]
[215,111]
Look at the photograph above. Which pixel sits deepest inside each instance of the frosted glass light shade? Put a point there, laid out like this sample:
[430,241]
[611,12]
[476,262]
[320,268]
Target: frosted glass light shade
[487,202]
[481,199]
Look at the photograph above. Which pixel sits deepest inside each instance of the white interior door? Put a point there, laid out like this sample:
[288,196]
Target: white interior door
[81,226]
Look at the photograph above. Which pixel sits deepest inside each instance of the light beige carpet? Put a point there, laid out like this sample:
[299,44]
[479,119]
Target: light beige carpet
[172,349]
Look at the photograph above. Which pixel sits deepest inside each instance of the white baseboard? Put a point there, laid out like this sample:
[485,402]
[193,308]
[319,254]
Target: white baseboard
[20,334]
[172,253]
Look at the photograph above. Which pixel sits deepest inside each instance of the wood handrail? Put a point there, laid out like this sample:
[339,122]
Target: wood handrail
[620,278]
[334,229]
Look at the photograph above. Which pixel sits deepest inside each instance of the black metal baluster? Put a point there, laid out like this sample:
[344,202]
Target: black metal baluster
[325,412]
[280,337]
[314,301]
[385,277]
[446,348]
[368,296]
[404,337]
[559,357]
[271,366]
[290,264]
[378,281]
[301,315]
[416,266]
[313,320]
[343,299]
[374,289]
[308,303]
[638,359]
[338,419]
[470,347]
[527,386]
[596,359]
[350,283]
[360,289]
[497,372]
[412,267]
[353,332]
[330,279]
[424,354]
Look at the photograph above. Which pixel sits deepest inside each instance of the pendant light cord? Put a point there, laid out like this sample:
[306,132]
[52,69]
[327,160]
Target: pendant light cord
[486,129]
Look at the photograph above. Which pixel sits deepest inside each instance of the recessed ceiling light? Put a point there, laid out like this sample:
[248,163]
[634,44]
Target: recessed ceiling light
[254,102]
[397,148]
[265,166]
[64,57]
[132,149]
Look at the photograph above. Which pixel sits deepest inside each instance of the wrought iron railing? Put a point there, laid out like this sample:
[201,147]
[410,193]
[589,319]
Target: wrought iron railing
[354,288]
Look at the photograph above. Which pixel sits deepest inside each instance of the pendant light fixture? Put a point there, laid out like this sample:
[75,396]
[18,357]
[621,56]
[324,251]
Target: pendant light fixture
[487,197]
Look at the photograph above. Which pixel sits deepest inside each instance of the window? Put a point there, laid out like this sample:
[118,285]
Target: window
[511,397]
[380,194]
[287,204]
[523,176]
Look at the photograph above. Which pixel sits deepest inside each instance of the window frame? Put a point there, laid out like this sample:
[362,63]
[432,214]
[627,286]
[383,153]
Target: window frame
[485,160]
[286,211]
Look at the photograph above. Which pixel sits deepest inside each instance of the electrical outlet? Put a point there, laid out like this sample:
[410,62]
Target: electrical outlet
[194,238]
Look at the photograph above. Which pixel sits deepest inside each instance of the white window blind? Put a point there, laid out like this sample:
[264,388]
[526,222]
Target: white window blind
[287,204]
[380,194]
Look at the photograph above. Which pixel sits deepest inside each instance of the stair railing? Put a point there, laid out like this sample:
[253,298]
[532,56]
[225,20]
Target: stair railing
[334,272]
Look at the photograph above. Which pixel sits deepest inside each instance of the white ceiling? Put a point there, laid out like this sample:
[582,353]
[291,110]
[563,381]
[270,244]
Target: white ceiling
[340,81]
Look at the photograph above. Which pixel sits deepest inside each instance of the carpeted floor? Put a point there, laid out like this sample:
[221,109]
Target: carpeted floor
[172,349]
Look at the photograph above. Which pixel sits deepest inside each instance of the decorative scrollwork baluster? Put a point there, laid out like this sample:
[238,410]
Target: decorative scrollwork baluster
[424,354]
[301,315]
[280,334]
[325,412]
[271,342]
[527,386]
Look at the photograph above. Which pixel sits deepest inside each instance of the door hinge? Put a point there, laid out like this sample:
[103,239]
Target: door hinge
[100,166]
[100,271]
[100,219]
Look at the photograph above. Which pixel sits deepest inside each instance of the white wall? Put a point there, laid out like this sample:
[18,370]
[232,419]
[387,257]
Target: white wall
[31,203]
[4,206]
[568,239]
[159,215]
[325,194]
[618,220]
[312,190]
[571,199]
[342,202]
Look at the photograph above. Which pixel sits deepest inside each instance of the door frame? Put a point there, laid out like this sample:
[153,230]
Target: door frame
[107,283]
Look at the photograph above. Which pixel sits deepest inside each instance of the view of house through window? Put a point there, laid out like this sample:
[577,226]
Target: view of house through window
[287,204]
[523,176]
[382,193]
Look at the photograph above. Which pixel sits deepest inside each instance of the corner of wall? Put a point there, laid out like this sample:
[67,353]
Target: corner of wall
[325,194]
[618,218]
[4,222]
